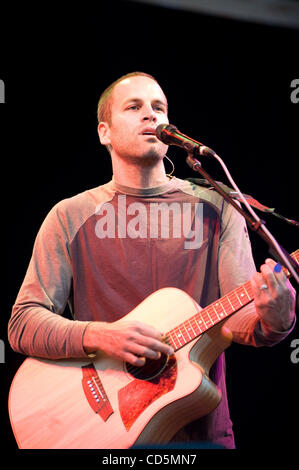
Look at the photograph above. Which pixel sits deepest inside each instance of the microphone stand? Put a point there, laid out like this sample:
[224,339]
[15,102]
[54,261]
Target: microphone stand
[256,226]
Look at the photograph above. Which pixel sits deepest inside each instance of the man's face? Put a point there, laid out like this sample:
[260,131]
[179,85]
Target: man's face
[138,107]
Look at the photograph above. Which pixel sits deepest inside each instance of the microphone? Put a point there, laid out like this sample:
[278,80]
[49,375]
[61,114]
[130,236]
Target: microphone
[170,135]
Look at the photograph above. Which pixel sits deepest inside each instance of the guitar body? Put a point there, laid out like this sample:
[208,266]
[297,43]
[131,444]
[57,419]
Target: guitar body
[103,403]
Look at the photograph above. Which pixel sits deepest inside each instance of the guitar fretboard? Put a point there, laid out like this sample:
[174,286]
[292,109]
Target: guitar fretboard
[213,314]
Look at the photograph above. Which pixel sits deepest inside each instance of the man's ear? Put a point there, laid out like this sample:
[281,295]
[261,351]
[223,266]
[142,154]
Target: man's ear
[104,133]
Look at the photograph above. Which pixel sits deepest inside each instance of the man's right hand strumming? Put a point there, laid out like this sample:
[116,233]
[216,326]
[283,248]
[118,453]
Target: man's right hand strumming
[131,341]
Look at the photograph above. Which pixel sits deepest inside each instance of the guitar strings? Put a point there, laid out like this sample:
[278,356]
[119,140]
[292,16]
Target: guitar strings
[139,370]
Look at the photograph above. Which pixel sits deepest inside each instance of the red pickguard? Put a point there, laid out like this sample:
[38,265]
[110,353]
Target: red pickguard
[135,397]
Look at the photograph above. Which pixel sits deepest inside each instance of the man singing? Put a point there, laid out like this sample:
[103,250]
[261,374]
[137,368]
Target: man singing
[105,250]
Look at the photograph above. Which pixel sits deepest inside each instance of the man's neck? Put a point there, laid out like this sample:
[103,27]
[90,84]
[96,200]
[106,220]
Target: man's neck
[139,176]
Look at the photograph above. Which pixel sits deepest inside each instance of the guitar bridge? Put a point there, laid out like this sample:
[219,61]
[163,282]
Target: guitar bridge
[95,393]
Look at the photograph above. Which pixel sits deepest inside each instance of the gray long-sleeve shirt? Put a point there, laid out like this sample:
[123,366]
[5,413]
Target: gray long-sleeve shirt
[105,250]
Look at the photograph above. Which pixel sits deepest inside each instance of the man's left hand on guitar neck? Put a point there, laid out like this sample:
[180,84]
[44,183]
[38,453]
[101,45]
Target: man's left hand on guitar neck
[274,296]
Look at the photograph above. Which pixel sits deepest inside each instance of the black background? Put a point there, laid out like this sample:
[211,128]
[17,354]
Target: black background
[228,85]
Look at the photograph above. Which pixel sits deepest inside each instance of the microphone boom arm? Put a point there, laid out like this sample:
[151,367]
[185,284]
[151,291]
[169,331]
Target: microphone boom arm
[256,225]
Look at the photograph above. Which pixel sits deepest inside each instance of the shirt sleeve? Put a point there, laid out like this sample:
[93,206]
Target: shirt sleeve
[235,267]
[36,326]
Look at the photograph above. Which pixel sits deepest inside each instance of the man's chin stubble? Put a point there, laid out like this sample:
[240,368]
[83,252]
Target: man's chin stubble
[148,158]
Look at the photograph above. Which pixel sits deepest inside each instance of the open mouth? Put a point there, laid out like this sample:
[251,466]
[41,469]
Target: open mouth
[149,131]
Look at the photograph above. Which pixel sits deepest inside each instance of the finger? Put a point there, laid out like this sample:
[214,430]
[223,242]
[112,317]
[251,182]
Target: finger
[276,268]
[152,338]
[143,351]
[260,289]
[155,345]
[148,330]
[271,263]
[278,272]
[269,278]
[134,360]
[260,283]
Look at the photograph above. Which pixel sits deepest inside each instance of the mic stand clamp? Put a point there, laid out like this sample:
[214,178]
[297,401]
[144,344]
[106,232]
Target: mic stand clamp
[254,225]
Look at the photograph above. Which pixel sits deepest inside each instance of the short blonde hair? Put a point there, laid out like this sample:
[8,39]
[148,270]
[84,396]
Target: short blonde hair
[105,101]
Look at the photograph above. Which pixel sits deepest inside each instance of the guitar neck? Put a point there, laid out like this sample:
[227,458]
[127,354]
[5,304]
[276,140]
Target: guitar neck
[213,314]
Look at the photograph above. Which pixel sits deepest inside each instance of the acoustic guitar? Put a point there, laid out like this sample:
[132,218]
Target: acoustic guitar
[104,403]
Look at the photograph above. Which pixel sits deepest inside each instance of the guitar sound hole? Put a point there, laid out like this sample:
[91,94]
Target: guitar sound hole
[151,369]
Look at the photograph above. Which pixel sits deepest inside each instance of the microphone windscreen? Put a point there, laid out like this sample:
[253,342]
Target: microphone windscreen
[163,135]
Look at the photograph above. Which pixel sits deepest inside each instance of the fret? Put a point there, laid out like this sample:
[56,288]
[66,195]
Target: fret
[168,340]
[201,320]
[190,328]
[225,312]
[238,299]
[182,335]
[234,300]
[207,311]
[196,324]
[204,323]
[249,298]
[216,312]
[175,341]
[187,333]
[220,308]
[176,346]
[213,315]
[246,292]
[240,296]
[178,335]
[195,327]
[231,305]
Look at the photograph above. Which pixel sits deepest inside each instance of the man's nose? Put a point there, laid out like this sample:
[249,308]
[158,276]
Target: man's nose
[149,114]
